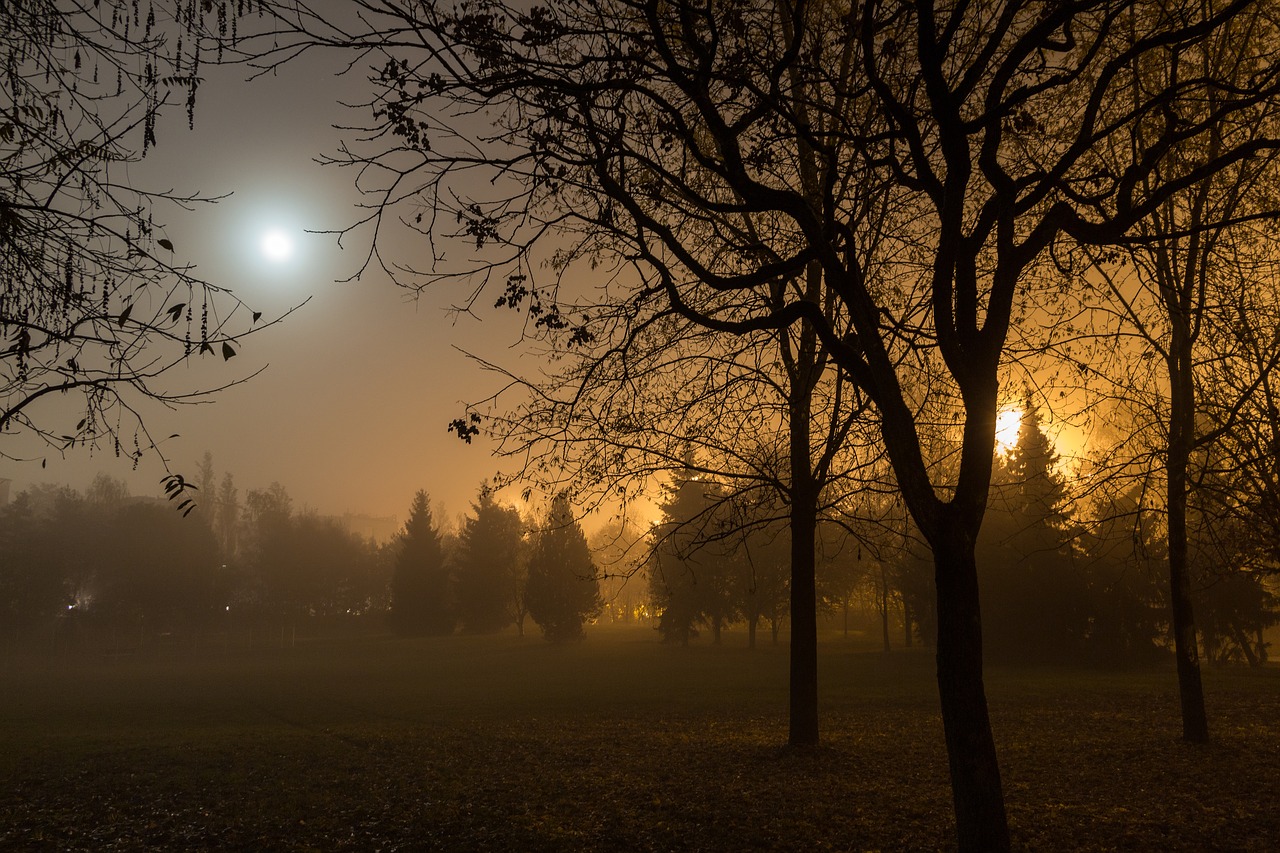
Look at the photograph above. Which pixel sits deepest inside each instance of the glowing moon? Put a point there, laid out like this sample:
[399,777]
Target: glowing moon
[276,245]
[1007,424]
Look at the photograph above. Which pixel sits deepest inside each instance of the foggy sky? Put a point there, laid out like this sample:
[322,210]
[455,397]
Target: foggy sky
[351,413]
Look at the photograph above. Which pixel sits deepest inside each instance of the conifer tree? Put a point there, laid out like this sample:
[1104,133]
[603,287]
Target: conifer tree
[488,566]
[563,591]
[420,601]
[691,570]
[1035,598]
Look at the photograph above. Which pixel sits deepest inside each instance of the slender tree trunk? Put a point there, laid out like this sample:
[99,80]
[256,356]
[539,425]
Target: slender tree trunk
[883,596]
[906,623]
[752,622]
[1195,723]
[981,824]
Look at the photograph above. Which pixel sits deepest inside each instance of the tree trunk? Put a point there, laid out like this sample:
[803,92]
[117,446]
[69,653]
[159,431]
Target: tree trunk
[883,596]
[804,615]
[1195,723]
[752,622]
[906,623]
[977,794]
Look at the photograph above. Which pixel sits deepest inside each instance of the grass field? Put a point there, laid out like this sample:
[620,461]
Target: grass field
[618,743]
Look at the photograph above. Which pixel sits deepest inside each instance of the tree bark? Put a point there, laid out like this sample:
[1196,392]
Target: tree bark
[977,793]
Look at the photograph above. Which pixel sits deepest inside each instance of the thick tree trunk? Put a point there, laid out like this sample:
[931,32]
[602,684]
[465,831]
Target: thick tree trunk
[804,527]
[981,824]
[804,619]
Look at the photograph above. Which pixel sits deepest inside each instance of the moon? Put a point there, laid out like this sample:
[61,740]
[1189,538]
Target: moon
[276,245]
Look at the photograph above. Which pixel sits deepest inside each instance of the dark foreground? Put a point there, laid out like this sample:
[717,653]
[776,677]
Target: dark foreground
[499,744]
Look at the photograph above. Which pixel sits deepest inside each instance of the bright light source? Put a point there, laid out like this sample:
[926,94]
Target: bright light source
[276,245]
[1007,424]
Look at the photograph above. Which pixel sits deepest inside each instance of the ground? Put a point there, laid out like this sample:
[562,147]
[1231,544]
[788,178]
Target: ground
[617,743]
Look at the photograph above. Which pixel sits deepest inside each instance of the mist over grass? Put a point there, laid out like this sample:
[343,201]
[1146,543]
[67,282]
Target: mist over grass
[616,743]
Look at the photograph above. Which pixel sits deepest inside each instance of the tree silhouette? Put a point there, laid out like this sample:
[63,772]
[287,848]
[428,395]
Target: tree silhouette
[1035,595]
[420,594]
[487,565]
[563,591]
[691,566]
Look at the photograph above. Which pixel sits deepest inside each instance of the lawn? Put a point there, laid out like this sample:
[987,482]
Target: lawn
[618,743]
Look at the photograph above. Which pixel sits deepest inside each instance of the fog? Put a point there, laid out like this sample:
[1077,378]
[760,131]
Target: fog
[639,426]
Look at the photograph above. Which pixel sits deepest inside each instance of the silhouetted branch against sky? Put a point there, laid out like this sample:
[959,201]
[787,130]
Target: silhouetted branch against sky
[100,308]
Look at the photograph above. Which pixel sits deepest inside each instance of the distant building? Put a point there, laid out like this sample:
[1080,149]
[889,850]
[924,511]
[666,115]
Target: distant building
[380,529]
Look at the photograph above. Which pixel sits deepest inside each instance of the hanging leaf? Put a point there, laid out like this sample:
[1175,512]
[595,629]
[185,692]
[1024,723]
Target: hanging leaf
[205,348]
[124,315]
[257,315]
[165,244]
[227,352]
[176,311]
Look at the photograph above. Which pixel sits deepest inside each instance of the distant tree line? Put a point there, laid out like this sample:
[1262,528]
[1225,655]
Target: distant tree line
[105,560]
[74,564]
[498,570]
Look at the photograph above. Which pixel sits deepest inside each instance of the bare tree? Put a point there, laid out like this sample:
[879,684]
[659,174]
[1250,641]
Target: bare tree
[1193,264]
[645,133]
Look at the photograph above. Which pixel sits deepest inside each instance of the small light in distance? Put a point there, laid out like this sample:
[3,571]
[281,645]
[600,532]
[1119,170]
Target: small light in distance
[276,245]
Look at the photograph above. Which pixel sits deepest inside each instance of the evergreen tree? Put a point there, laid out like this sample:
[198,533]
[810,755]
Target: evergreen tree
[490,549]
[1035,599]
[227,516]
[420,602]
[563,591]
[1127,603]
[691,571]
